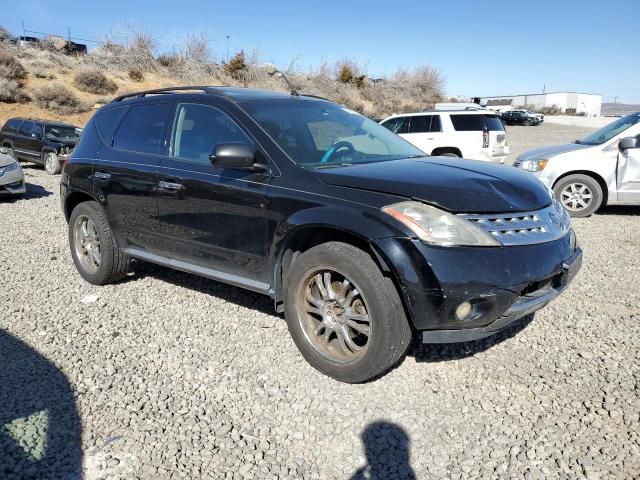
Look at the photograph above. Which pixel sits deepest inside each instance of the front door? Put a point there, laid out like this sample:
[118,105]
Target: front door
[28,142]
[212,217]
[629,175]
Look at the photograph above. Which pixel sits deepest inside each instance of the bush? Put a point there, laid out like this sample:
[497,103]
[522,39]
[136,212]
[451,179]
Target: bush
[237,66]
[5,35]
[60,99]
[136,75]
[170,60]
[93,81]
[11,92]
[10,68]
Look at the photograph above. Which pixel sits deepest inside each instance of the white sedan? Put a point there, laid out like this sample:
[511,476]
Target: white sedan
[601,169]
[11,175]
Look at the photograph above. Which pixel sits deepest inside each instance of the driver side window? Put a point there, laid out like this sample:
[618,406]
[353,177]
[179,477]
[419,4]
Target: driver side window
[199,128]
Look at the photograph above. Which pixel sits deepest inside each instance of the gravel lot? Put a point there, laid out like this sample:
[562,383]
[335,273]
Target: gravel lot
[167,375]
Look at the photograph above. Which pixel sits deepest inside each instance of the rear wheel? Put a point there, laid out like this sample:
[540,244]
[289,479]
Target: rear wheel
[93,248]
[51,163]
[580,194]
[345,317]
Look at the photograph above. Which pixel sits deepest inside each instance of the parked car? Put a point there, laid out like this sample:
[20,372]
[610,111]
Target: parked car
[472,134]
[39,141]
[358,237]
[521,117]
[11,175]
[598,170]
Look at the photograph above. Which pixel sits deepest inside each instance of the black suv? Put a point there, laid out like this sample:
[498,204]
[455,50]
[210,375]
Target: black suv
[519,117]
[39,141]
[361,239]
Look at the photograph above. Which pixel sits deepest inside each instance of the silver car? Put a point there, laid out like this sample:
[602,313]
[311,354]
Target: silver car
[11,175]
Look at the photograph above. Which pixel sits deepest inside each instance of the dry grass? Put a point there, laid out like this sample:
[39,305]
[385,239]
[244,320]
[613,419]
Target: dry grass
[11,68]
[136,75]
[60,99]
[11,92]
[94,81]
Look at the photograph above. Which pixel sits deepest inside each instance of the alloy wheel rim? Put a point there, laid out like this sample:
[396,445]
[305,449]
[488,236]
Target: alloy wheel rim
[333,315]
[87,244]
[576,196]
[49,163]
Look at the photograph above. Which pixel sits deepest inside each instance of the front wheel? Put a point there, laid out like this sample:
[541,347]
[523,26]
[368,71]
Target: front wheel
[581,195]
[51,163]
[345,317]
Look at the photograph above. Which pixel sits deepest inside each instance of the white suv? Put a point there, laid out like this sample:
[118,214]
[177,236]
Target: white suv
[601,169]
[472,134]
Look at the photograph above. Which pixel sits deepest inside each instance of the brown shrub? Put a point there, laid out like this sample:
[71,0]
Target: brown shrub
[237,66]
[136,75]
[11,92]
[11,68]
[5,35]
[170,60]
[59,98]
[94,81]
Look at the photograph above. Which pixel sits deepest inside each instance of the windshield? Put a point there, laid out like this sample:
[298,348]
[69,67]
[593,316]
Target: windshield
[318,134]
[607,132]
[62,132]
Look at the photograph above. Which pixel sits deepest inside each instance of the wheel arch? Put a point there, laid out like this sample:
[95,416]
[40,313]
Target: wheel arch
[598,178]
[73,200]
[441,150]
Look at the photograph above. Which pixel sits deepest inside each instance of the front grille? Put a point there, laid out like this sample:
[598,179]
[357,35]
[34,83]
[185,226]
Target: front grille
[526,228]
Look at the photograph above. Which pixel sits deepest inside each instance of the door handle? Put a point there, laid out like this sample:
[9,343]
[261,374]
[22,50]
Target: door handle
[102,175]
[170,186]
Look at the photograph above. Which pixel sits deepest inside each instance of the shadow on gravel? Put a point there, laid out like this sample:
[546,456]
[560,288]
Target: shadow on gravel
[386,446]
[36,191]
[40,429]
[442,352]
[619,210]
[239,296]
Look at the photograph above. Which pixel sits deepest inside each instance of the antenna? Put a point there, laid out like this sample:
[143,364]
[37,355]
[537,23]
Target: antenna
[293,90]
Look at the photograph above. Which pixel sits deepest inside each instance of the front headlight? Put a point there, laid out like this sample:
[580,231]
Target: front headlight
[438,227]
[9,168]
[534,165]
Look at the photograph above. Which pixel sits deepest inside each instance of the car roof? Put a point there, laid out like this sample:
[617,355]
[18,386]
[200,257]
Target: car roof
[230,93]
[443,112]
[46,122]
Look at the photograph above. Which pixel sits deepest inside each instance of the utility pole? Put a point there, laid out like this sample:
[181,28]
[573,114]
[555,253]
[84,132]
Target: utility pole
[227,48]
[24,32]
[69,34]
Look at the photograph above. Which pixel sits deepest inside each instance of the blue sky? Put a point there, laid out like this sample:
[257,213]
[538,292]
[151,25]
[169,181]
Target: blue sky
[481,47]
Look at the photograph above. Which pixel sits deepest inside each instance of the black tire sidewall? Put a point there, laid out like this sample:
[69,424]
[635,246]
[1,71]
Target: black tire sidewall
[594,186]
[389,325]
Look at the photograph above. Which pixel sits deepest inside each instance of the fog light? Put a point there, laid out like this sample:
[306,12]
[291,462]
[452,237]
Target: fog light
[463,310]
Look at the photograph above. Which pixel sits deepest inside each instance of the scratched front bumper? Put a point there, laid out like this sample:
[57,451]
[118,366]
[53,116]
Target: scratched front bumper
[434,281]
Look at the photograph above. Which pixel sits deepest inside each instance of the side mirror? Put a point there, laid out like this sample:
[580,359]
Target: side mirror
[239,156]
[627,143]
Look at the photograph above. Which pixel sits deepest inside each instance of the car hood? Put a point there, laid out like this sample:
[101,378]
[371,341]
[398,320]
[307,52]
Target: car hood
[6,160]
[455,185]
[546,152]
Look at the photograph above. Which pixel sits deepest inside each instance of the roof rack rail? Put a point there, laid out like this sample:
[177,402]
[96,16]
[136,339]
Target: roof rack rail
[167,90]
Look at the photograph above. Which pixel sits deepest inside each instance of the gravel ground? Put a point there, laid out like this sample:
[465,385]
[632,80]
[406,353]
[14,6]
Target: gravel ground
[167,375]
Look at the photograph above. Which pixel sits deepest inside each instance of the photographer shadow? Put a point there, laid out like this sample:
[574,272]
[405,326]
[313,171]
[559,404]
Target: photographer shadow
[40,429]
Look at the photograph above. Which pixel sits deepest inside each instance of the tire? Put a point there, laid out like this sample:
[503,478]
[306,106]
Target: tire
[51,163]
[449,154]
[11,153]
[112,264]
[572,190]
[526,123]
[375,298]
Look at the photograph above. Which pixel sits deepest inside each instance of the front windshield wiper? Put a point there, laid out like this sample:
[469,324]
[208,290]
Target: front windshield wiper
[332,165]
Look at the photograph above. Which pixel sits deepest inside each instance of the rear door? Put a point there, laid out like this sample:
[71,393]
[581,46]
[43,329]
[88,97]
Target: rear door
[27,142]
[629,175]
[210,216]
[425,132]
[126,169]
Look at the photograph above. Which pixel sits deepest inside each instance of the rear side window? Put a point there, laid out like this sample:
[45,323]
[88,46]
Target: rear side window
[106,123]
[425,123]
[25,128]
[142,129]
[468,123]
[199,128]
[397,125]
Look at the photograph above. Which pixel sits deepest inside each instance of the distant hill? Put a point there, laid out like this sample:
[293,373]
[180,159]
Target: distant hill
[619,108]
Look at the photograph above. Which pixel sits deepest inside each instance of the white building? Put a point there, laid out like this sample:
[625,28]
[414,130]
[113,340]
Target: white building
[568,102]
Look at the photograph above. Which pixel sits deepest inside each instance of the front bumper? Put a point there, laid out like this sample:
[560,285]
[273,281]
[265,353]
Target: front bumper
[12,183]
[502,284]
